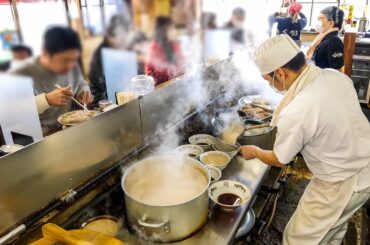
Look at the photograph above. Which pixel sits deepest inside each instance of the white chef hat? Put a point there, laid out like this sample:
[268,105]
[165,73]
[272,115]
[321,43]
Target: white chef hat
[274,53]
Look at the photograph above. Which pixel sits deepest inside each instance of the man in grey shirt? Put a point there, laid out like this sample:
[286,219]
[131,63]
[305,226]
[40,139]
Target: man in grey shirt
[56,76]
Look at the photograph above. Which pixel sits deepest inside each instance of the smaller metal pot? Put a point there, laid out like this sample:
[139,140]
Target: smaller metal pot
[261,137]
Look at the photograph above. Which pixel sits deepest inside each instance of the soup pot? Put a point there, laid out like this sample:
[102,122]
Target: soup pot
[169,211]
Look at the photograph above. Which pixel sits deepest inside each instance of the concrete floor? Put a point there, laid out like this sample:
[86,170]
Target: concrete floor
[299,177]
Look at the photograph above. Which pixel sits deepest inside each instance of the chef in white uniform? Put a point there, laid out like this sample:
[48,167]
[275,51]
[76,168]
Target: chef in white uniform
[320,117]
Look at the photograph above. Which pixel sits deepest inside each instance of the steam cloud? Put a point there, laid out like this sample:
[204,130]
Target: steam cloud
[196,94]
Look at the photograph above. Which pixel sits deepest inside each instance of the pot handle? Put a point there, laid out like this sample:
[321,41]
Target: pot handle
[145,224]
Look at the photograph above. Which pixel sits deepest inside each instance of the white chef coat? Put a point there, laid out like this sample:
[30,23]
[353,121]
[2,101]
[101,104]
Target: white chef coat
[325,123]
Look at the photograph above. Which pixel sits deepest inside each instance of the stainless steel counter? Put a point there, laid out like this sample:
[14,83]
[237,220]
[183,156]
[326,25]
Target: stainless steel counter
[33,176]
[72,157]
[222,225]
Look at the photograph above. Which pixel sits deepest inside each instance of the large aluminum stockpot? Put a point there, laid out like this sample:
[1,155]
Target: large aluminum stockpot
[261,137]
[166,223]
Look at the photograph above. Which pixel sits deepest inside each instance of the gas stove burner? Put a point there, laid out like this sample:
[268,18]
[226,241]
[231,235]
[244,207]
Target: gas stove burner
[106,224]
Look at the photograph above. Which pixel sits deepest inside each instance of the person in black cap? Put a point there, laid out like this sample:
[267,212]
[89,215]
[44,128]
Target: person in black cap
[236,24]
[327,50]
[291,25]
[20,52]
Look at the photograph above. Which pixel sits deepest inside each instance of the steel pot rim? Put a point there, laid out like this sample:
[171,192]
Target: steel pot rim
[268,130]
[196,162]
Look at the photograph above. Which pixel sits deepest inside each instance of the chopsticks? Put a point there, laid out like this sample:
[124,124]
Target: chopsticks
[78,103]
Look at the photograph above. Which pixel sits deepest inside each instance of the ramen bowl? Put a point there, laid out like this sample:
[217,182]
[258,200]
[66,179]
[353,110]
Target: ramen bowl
[216,159]
[192,151]
[229,194]
[203,140]
[215,173]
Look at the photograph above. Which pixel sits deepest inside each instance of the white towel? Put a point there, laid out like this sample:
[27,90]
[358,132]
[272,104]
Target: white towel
[305,78]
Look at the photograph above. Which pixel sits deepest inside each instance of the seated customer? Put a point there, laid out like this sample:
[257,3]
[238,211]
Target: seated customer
[56,66]
[20,53]
[164,59]
[116,37]
[139,44]
[236,25]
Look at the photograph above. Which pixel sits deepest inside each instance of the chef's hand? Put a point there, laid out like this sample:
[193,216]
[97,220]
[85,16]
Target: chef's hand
[249,151]
[85,97]
[60,96]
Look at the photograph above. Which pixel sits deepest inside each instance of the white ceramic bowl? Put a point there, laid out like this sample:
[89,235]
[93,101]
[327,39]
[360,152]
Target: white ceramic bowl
[215,173]
[203,140]
[225,192]
[217,159]
[11,148]
[189,150]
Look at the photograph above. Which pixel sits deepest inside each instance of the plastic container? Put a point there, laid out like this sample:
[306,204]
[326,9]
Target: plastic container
[142,84]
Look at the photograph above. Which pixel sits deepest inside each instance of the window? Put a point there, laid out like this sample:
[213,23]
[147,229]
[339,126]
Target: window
[312,8]
[8,33]
[36,15]
[97,13]
[92,16]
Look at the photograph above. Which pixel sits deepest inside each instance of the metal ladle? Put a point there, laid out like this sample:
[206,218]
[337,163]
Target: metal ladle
[237,202]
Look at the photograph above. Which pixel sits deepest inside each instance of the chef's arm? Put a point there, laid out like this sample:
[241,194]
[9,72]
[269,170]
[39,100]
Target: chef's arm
[268,157]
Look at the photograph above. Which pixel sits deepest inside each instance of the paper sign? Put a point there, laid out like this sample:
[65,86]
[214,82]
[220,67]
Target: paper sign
[18,111]
[216,44]
[119,67]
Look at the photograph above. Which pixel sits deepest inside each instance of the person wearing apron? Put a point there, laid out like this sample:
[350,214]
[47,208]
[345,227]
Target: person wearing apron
[320,117]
